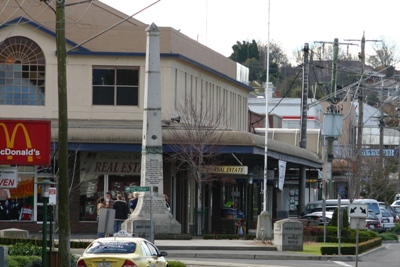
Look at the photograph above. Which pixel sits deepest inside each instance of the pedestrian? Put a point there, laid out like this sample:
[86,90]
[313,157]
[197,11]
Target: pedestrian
[121,212]
[167,202]
[101,204]
[109,200]
[133,201]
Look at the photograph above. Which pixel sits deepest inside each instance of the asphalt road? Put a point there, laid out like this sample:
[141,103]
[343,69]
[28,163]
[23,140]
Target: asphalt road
[387,256]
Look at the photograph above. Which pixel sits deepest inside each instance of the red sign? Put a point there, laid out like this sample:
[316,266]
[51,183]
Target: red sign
[25,142]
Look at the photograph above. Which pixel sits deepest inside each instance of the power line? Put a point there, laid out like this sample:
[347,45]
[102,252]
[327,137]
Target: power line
[111,27]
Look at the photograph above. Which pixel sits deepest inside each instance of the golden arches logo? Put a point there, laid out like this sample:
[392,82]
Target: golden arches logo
[11,141]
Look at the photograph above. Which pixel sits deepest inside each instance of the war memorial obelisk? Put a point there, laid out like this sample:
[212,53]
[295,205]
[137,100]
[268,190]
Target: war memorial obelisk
[152,207]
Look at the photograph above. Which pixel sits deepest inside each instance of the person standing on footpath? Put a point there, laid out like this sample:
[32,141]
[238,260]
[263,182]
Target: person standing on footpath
[101,204]
[121,212]
[109,200]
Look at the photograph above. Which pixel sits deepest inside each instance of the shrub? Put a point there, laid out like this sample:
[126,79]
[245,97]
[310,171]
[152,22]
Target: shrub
[24,249]
[26,261]
[345,221]
[389,236]
[396,229]
[312,230]
[176,264]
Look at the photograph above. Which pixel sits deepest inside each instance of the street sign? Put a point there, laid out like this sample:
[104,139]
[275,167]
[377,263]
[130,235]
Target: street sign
[130,189]
[357,210]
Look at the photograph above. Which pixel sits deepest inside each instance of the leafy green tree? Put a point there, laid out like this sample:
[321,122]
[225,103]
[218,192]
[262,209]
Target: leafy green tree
[345,218]
[244,51]
[372,99]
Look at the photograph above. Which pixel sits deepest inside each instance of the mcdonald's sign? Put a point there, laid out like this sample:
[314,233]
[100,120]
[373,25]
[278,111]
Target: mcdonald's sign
[25,142]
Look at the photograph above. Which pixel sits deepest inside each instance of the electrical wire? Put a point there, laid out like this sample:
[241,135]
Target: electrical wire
[111,27]
[286,93]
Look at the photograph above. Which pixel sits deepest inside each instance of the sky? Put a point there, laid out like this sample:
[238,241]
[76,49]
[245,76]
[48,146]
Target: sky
[219,24]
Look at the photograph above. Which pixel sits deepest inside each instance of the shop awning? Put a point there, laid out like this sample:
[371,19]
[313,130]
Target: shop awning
[124,136]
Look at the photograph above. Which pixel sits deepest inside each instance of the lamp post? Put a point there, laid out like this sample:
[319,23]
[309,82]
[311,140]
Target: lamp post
[45,183]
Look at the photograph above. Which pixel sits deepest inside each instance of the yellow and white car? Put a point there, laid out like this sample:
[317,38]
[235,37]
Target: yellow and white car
[122,251]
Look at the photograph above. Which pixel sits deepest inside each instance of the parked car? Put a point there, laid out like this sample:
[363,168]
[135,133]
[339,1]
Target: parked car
[387,220]
[388,208]
[122,250]
[372,222]
[396,202]
[396,209]
[316,218]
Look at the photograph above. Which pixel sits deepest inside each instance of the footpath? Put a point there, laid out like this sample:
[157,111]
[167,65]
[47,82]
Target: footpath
[200,251]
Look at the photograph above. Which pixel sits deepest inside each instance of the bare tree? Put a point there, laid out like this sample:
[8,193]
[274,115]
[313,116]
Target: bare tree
[386,54]
[197,142]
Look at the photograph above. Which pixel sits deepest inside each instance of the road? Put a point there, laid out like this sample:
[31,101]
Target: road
[388,256]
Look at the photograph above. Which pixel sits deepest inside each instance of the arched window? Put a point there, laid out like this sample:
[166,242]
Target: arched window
[22,72]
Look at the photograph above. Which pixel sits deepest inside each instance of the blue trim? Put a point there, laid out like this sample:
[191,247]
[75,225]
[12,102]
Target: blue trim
[106,147]
[20,20]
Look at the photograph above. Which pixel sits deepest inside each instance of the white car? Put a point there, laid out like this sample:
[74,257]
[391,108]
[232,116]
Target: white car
[396,203]
[316,217]
[387,220]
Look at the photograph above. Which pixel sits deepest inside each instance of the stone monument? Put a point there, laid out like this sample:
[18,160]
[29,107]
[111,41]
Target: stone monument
[151,204]
[288,235]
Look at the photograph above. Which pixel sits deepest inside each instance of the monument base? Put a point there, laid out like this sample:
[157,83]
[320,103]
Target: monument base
[154,209]
[264,226]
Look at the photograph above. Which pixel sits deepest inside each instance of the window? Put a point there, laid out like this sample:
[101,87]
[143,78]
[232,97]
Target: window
[114,86]
[22,72]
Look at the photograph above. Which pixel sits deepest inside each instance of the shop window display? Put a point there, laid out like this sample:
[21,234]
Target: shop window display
[17,203]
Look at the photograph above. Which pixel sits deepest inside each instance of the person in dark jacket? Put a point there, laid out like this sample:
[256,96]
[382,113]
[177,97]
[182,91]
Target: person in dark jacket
[121,212]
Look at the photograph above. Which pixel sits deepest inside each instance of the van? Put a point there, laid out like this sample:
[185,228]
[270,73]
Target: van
[330,205]
[373,205]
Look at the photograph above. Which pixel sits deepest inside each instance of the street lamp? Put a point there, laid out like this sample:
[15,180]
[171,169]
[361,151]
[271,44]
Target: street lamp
[45,183]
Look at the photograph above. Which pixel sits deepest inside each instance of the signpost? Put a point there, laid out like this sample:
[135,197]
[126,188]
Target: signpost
[357,211]
[131,189]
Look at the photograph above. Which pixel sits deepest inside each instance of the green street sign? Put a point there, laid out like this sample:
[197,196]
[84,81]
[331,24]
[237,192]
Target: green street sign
[130,189]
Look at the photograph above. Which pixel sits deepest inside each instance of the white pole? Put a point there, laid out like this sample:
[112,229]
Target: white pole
[266,120]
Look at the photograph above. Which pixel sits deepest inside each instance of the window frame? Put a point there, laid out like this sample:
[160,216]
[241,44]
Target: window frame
[116,86]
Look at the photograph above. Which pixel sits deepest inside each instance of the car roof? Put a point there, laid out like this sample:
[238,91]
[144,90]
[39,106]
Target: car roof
[119,238]
[318,213]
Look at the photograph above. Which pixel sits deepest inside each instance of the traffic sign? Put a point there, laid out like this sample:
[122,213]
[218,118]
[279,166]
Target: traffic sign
[130,189]
[357,210]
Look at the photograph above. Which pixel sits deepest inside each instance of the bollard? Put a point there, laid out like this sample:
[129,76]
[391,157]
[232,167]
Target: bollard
[3,256]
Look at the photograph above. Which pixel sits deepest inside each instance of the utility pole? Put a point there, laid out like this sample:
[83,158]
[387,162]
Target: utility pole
[303,132]
[330,136]
[381,127]
[354,186]
[63,181]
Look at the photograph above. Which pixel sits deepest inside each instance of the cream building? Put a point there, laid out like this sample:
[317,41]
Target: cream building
[105,84]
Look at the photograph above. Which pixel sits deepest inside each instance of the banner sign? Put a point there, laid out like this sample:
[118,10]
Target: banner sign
[25,142]
[8,178]
[282,173]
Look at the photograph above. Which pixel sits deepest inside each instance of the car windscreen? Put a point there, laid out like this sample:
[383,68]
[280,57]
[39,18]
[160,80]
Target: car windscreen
[374,207]
[396,209]
[111,247]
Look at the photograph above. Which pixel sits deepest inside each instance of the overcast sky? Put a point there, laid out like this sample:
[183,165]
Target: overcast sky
[219,24]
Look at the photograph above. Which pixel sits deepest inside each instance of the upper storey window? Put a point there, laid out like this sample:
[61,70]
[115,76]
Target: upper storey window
[22,72]
[115,86]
